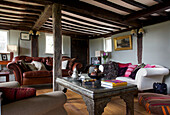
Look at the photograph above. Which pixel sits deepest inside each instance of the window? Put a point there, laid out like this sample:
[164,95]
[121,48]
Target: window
[108,44]
[50,45]
[3,40]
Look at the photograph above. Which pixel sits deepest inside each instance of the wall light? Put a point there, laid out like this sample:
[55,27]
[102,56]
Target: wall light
[133,32]
[141,31]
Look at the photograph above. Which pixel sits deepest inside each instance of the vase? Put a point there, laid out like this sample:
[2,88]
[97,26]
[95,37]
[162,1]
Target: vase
[104,61]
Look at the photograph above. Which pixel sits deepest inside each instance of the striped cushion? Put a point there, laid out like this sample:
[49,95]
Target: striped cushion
[155,103]
[129,70]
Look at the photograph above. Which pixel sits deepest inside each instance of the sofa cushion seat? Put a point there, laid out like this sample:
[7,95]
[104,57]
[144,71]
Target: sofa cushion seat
[30,74]
[127,79]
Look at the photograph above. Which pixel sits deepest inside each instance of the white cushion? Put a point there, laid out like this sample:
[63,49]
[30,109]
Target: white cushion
[64,64]
[39,65]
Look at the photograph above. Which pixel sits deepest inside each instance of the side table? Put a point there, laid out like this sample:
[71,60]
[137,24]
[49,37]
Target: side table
[5,74]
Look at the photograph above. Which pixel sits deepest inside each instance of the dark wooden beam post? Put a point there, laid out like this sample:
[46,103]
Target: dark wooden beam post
[57,36]
[139,47]
[34,45]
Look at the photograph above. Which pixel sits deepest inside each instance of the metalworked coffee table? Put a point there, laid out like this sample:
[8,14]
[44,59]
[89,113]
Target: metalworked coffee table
[97,97]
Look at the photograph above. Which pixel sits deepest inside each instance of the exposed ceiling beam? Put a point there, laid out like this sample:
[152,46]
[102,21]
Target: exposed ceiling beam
[18,27]
[98,19]
[81,7]
[137,4]
[15,21]
[115,6]
[109,34]
[155,8]
[44,2]
[159,1]
[17,18]
[45,15]
[79,27]
[68,21]
[20,15]
[28,7]
[89,22]
[21,10]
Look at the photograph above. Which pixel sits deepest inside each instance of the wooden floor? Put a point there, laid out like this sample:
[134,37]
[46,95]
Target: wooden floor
[76,106]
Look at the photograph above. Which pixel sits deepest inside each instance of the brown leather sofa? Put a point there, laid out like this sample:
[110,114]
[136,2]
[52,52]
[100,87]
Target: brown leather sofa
[39,77]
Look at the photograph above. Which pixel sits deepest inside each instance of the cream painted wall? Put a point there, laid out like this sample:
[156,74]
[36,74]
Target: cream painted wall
[14,35]
[156,47]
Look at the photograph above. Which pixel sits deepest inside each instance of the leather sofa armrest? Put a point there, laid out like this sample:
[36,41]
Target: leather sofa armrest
[10,84]
[17,71]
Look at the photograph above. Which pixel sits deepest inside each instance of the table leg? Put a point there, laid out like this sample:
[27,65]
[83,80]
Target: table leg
[96,107]
[7,78]
[129,100]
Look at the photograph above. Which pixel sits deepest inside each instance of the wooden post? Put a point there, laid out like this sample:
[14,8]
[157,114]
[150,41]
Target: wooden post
[139,47]
[57,36]
[34,45]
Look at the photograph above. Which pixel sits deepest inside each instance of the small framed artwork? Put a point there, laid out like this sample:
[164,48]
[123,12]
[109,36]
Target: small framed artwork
[24,36]
[4,57]
[123,43]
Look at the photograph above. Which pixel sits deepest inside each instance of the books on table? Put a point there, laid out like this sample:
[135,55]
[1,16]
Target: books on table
[113,83]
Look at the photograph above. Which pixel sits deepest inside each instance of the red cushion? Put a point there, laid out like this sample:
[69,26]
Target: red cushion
[122,65]
[30,74]
[15,94]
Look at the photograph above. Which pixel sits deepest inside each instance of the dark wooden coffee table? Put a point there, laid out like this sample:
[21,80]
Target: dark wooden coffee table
[97,97]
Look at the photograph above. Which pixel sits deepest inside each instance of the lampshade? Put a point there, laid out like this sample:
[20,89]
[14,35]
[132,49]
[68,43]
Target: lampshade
[12,48]
[31,32]
[98,53]
[133,32]
[38,33]
[141,31]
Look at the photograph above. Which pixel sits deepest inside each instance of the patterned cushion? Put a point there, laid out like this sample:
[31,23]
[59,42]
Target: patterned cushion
[23,65]
[155,103]
[110,70]
[15,94]
[140,66]
[129,70]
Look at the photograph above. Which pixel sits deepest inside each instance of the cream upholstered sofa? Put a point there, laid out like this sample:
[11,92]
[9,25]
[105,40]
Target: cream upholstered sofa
[145,77]
[44,104]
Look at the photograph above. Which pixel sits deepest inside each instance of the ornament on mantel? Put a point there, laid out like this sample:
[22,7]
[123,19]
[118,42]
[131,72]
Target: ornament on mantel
[75,73]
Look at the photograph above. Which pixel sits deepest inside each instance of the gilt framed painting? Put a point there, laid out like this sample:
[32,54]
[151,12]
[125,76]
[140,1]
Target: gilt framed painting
[123,43]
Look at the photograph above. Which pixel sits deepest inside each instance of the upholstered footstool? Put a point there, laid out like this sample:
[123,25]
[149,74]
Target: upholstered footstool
[158,104]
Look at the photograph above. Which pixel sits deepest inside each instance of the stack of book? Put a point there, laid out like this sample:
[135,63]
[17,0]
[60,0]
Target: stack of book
[113,83]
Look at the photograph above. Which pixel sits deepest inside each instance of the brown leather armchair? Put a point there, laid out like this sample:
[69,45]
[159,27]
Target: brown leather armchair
[39,77]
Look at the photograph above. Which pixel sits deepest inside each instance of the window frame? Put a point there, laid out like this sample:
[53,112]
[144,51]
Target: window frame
[7,41]
[105,44]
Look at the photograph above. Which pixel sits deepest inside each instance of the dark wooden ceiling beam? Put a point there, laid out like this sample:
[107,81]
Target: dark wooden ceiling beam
[159,1]
[20,15]
[74,29]
[17,18]
[98,19]
[15,21]
[45,15]
[19,27]
[155,8]
[81,7]
[21,10]
[68,21]
[43,2]
[89,22]
[15,24]
[82,27]
[108,34]
[115,6]
[137,4]
[28,7]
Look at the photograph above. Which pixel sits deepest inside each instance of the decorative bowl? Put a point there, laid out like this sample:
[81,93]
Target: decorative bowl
[97,76]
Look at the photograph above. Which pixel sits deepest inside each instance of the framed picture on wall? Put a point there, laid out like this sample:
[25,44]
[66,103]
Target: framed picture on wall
[123,43]
[4,57]
[24,36]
